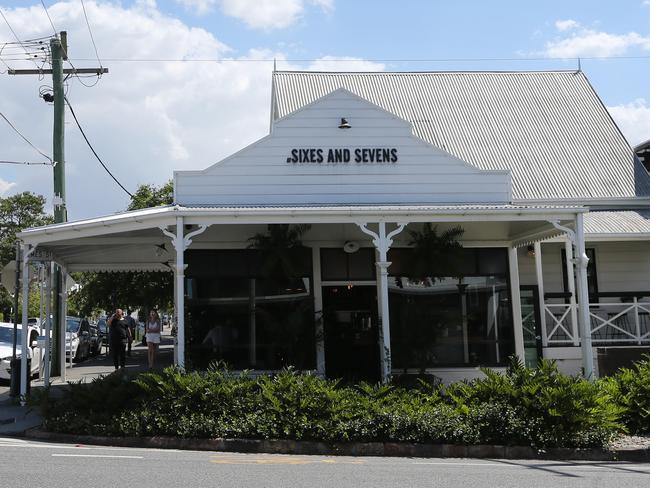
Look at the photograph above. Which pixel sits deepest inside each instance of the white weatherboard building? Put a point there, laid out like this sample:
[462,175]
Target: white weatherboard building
[552,203]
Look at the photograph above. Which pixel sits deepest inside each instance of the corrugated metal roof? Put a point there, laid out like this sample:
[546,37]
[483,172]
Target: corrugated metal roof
[620,223]
[172,211]
[549,128]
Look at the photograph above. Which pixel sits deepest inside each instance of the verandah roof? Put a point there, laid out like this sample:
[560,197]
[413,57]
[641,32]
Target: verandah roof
[134,240]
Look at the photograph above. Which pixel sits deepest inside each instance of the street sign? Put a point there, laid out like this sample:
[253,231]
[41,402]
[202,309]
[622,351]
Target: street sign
[41,255]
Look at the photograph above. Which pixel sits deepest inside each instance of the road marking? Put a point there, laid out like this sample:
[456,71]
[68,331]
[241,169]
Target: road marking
[471,464]
[97,456]
[548,465]
[272,460]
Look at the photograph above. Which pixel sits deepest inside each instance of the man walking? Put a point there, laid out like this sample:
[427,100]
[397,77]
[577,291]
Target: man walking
[130,321]
[120,335]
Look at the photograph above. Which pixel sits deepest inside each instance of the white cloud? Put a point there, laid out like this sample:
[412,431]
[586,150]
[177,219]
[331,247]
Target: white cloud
[344,63]
[259,14]
[585,42]
[145,119]
[271,14]
[564,25]
[633,119]
[200,7]
[327,5]
[5,186]
[264,14]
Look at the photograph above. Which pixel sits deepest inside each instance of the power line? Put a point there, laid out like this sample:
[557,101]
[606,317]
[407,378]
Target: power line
[26,140]
[376,60]
[92,38]
[14,33]
[93,149]
[65,48]
[26,163]
[48,17]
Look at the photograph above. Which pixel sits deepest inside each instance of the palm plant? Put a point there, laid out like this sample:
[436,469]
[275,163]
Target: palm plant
[435,255]
[276,247]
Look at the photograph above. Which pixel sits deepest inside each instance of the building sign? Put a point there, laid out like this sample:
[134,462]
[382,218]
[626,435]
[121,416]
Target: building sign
[376,155]
[41,255]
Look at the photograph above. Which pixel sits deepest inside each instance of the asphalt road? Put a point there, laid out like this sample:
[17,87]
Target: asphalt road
[37,464]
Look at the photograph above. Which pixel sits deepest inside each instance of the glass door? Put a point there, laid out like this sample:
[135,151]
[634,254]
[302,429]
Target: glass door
[351,333]
[531,325]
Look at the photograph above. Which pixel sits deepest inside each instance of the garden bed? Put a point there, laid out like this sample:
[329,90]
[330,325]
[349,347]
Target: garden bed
[537,408]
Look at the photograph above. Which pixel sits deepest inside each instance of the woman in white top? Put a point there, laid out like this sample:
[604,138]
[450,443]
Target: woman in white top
[152,333]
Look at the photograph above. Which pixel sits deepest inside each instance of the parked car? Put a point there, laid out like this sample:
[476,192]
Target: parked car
[102,326]
[77,339]
[96,340]
[6,348]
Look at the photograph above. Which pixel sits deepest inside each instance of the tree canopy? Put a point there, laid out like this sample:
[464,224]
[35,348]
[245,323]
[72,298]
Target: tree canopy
[135,290]
[18,212]
[152,196]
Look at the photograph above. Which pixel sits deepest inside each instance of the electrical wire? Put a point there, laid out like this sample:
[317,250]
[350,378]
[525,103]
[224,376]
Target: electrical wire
[65,53]
[92,38]
[376,60]
[26,163]
[25,139]
[14,33]
[48,17]
[74,116]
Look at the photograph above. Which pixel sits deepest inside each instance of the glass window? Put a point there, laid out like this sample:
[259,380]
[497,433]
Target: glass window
[7,335]
[72,325]
[592,275]
[338,265]
[454,320]
[248,321]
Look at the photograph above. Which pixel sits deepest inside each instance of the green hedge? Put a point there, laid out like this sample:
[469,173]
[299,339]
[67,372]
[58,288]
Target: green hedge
[537,407]
[630,389]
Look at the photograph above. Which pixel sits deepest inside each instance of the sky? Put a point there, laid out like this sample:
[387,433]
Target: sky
[189,80]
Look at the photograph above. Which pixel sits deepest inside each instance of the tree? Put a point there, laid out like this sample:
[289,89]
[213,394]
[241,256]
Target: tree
[137,290]
[147,196]
[18,212]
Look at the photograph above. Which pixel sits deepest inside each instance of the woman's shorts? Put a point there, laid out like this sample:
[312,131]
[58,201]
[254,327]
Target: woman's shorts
[153,338]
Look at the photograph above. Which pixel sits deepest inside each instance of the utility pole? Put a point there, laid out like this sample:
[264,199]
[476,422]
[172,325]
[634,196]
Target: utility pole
[59,52]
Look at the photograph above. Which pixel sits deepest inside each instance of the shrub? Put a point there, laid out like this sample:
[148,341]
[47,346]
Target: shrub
[525,407]
[542,407]
[630,389]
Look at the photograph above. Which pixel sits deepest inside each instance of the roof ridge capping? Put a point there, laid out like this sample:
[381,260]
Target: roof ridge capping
[440,72]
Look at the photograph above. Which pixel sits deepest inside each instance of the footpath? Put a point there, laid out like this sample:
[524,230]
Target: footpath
[18,420]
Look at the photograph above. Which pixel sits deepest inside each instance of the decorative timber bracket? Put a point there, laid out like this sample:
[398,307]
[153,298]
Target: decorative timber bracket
[381,240]
[187,240]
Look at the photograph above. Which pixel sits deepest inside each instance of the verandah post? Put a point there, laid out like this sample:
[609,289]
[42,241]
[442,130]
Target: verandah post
[582,261]
[382,267]
[540,292]
[382,242]
[517,323]
[568,252]
[180,290]
[24,336]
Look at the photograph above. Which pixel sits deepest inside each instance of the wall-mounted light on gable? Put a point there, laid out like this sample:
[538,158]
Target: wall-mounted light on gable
[344,124]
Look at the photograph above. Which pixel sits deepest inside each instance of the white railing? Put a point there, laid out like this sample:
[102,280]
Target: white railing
[612,322]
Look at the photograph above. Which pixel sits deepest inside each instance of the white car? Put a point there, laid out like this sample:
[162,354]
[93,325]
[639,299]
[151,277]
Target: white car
[6,348]
[78,342]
